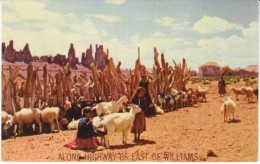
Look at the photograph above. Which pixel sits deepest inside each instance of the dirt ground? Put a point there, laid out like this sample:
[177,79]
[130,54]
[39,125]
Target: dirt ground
[183,135]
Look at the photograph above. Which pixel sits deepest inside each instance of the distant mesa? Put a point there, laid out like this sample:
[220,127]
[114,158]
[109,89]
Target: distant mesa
[9,54]
[209,69]
[212,69]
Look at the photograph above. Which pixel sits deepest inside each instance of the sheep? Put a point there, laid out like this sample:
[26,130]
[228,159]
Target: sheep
[201,92]
[237,91]
[158,110]
[75,111]
[228,107]
[25,116]
[5,117]
[49,115]
[73,125]
[249,92]
[161,100]
[119,122]
[110,107]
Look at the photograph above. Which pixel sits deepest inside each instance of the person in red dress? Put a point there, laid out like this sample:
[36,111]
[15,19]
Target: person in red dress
[139,124]
[87,133]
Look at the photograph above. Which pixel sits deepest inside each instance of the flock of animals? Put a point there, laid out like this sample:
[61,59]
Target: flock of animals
[112,115]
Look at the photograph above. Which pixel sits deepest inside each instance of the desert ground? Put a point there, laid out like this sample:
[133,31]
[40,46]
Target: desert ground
[188,134]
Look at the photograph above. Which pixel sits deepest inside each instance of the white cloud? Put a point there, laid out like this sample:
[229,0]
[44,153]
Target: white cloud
[10,18]
[115,2]
[106,18]
[164,21]
[213,25]
[50,34]
[30,10]
[234,51]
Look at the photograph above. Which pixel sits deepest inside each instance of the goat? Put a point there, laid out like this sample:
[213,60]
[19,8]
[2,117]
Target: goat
[249,93]
[110,107]
[227,108]
[237,91]
[119,122]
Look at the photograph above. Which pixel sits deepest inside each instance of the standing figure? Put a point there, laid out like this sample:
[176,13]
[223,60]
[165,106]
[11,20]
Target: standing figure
[139,124]
[151,108]
[222,87]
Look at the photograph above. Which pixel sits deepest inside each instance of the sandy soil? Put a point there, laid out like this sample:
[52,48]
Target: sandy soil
[183,135]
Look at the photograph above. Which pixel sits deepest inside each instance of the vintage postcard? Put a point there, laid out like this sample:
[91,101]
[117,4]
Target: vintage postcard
[129,81]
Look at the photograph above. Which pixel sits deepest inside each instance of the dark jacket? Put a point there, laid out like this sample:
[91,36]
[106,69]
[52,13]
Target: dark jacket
[85,128]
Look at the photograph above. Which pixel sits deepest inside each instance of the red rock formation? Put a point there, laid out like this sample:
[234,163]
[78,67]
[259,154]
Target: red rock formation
[19,56]
[87,57]
[3,50]
[9,53]
[72,57]
[60,59]
[35,58]
[209,69]
[251,70]
[27,54]
[44,58]
[99,59]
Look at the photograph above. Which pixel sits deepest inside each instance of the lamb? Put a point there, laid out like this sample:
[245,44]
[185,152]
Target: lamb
[228,107]
[237,91]
[119,122]
[158,110]
[110,107]
[49,115]
[25,116]
[73,125]
[249,93]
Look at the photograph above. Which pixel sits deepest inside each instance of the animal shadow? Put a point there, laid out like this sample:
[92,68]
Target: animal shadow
[122,146]
[234,121]
[145,142]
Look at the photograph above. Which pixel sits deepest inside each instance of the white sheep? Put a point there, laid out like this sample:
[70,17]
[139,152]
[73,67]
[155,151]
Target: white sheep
[49,115]
[119,122]
[5,117]
[110,107]
[25,116]
[201,92]
[73,125]
[158,110]
[237,91]
[249,92]
[228,107]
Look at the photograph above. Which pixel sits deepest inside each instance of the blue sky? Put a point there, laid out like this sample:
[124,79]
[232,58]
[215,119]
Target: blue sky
[224,31]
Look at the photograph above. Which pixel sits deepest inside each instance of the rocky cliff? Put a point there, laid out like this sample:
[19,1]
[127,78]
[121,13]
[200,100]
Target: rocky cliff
[9,54]
[209,69]
[99,58]
[87,58]
[72,57]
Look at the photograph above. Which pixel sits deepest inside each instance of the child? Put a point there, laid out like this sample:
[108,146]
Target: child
[139,124]
[87,134]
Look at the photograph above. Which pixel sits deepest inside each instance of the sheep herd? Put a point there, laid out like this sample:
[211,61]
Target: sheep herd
[112,116]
